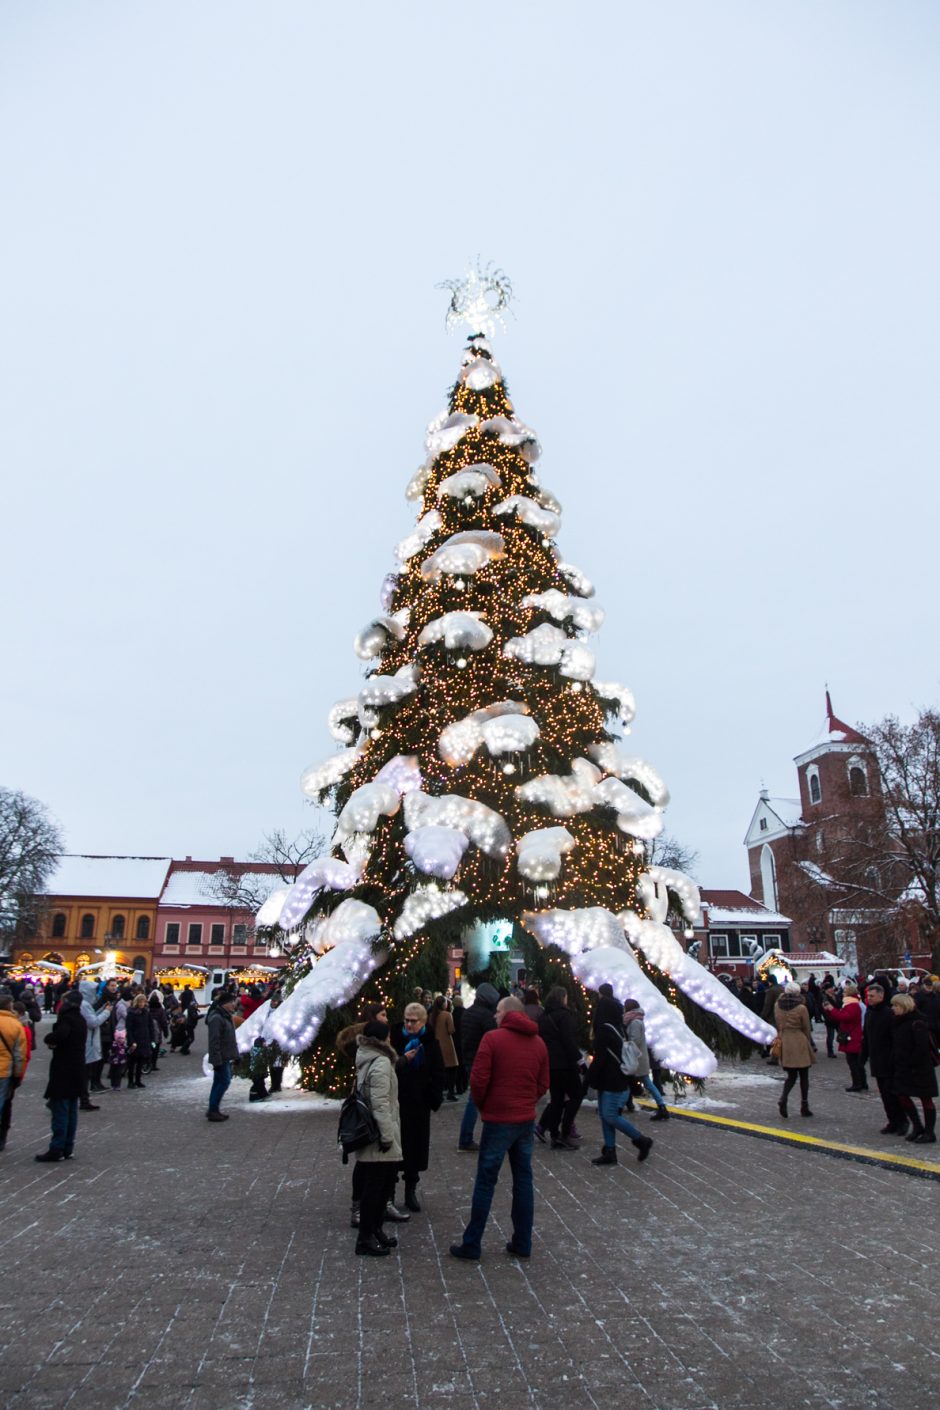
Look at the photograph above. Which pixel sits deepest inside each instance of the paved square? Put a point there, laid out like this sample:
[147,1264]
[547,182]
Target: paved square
[179,1264]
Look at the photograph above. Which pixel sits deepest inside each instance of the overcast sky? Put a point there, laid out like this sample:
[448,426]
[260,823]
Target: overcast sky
[220,343]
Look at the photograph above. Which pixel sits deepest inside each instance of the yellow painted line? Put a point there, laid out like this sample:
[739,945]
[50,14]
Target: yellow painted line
[910,1164]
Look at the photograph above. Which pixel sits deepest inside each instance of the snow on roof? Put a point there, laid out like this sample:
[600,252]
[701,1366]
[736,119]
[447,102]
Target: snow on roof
[123,877]
[202,888]
[734,908]
[788,810]
[816,959]
[834,731]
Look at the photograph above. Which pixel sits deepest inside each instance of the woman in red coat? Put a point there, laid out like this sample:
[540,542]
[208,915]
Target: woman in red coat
[849,1021]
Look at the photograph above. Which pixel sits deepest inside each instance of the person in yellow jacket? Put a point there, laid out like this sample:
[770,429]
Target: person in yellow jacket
[13,1051]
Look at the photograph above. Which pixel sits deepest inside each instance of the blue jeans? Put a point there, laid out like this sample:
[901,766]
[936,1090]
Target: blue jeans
[608,1109]
[64,1124]
[653,1090]
[220,1084]
[501,1138]
[468,1122]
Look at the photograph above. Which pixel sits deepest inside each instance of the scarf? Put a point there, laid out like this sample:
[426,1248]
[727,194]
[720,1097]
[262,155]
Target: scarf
[416,1046]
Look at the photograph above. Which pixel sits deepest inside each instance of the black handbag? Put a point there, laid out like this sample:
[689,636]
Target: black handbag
[357,1125]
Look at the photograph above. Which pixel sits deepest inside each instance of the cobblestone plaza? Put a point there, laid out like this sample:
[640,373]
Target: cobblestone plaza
[178,1264]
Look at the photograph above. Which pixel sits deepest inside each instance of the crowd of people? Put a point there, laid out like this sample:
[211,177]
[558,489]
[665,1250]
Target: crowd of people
[888,1025]
[508,1052]
[107,1035]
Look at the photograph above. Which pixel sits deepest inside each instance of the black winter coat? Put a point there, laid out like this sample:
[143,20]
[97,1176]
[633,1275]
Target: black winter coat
[878,1040]
[67,1041]
[928,1006]
[478,1019]
[137,1024]
[605,1074]
[558,1030]
[914,1072]
[420,1091]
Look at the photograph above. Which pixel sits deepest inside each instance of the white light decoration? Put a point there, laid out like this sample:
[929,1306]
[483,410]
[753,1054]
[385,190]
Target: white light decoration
[545,497]
[473,480]
[539,853]
[339,720]
[419,481]
[270,912]
[635,816]
[437,851]
[610,759]
[425,529]
[575,931]
[548,646]
[457,630]
[463,554]
[403,773]
[662,949]
[388,590]
[578,582]
[324,873]
[528,512]
[319,777]
[653,890]
[564,795]
[333,979]
[366,805]
[426,903]
[446,430]
[485,827]
[618,698]
[374,638]
[381,691]
[481,373]
[510,432]
[505,728]
[566,609]
[673,1043]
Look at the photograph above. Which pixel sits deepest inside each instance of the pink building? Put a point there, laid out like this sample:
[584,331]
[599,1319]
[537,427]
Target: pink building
[206,914]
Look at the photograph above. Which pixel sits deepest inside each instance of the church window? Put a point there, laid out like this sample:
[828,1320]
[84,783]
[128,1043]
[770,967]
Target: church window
[858,783]
[815,792]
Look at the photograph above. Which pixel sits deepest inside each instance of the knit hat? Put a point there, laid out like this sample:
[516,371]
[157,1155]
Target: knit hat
[791,988]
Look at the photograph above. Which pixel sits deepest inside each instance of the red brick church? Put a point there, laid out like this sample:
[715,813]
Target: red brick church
[813,857]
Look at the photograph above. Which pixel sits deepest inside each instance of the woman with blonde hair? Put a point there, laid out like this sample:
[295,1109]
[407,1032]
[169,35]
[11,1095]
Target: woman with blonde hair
[796,1045]
[420,1071]
[139,1039]
[914,1072]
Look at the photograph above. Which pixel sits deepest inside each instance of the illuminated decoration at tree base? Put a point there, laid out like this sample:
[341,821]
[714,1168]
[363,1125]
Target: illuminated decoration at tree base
[482,782]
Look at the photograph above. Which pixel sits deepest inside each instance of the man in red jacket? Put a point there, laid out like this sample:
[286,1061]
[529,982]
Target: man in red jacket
[509,1076]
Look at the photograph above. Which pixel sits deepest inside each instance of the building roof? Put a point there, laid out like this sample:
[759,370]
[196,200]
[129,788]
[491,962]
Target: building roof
[190,886]
[734,908]
[834,731]
[123,877]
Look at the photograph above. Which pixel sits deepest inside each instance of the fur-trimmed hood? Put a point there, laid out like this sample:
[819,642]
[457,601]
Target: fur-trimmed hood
[346,1040]
[368,1048]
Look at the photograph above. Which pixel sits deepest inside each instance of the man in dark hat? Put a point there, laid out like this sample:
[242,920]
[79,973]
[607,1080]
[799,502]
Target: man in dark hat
[66,1076]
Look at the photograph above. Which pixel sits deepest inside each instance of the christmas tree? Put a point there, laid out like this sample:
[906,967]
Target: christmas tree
[483,778]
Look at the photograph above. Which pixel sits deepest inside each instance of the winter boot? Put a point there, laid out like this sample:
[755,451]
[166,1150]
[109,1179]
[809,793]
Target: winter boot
[917,1126]
[782,1106]
[354,1215]
[661,1114]
[394,1215]
[644,1145]
[804,1109]
[903,1125]
[386,1240]
[411,1196]
[372,1247]
[930,1129]
[608,1156]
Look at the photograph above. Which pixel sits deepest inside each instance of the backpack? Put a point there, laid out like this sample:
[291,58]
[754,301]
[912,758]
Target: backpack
[357,1125]
[626,1053]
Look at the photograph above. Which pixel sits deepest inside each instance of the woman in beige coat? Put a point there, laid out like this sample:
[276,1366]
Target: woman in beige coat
[378,1087]
[796,1045]
[442,1026]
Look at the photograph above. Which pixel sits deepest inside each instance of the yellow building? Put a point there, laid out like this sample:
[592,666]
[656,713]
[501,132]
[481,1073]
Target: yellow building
[98,907]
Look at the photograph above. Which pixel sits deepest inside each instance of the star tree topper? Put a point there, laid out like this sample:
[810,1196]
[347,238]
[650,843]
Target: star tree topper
[478,300]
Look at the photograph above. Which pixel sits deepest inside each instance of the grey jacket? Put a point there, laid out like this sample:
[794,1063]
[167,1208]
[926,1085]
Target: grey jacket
[94,1020]
[378,1085]
[635,1028]
[223,1045]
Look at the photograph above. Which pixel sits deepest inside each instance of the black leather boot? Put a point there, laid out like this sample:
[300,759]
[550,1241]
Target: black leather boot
[411,1196]
[608,1156]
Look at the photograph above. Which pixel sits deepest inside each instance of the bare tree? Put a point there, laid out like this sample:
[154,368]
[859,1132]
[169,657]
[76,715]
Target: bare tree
[878,866]
[667,851]
[242,889]
[30,846]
